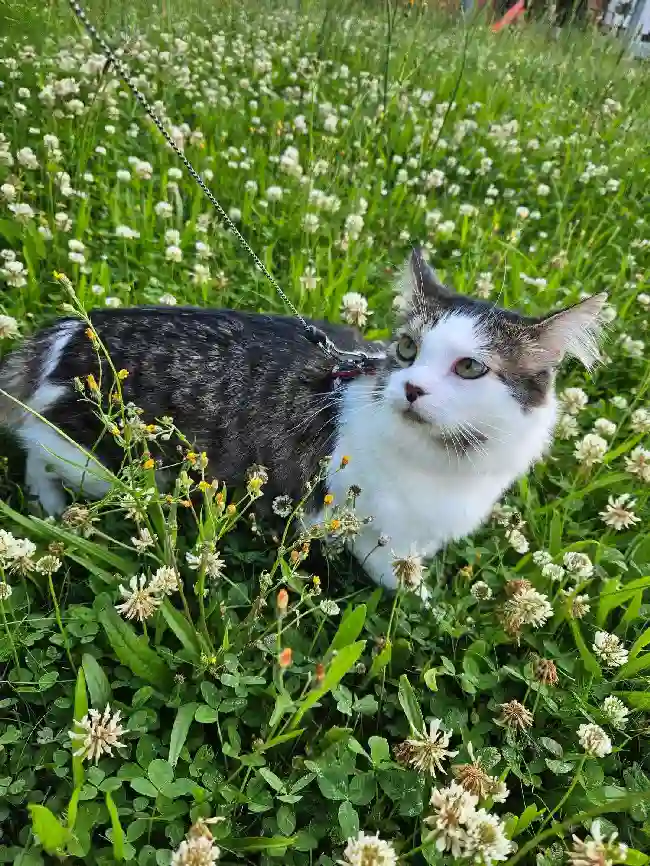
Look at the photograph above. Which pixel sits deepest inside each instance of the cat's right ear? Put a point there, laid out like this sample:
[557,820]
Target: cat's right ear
[418,282]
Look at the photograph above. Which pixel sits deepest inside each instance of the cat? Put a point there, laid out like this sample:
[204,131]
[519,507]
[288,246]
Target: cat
[463,404]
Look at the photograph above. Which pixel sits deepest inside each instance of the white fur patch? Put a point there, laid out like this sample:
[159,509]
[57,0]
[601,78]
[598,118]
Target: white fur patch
[51,459]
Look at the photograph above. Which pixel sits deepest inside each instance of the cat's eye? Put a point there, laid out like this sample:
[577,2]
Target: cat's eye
[406,349]
[470,368]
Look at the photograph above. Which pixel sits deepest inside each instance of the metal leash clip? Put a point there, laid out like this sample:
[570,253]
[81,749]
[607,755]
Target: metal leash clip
[349,364]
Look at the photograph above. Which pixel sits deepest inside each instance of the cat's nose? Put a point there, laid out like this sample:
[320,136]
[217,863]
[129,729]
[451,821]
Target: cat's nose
[413,392]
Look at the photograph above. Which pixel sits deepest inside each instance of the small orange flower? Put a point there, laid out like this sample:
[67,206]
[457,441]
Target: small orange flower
[320,672]
[231,510]
[344,460]
[334,525]
[285,657]
[282,602]
[148,464]
[294,557]
[329,499]
[186,503]
[92,382]
[191,457]
[91,334]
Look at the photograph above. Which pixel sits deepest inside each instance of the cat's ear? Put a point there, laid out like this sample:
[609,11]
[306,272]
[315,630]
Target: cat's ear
[418,281]
[575,331]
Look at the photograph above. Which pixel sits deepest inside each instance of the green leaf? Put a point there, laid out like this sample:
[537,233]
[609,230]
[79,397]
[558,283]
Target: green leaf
[206,715]
[379,750]
[588,658]
[410,705]
[350,628]
[362,789]
[380,661]
[274,782]
[610,600]
[333,783]
[633,667]
[143,786]
[281,738]
[560,768]
[80,710]
[552,746]
[430,680]
[160,773]
[637,700]
[50,831]
[73,806]
[348,820]
[180,730]
[286,819]
[184,630]
[642,641]
[134,651]
[258,843]
[97,682]
[343,662]
[530,814]
[636,858]
[116,827]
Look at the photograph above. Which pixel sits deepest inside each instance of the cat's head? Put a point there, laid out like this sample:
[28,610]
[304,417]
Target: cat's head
[468,371]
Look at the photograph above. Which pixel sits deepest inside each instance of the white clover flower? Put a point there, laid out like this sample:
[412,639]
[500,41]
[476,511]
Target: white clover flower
[640,421]
[578,564]
[619,512]
[97,734]
[165,580]
[368,850]
[591,449]
[354,309]
[597,850]
[174,253]
[274,193]
[126,233]
[594,740]
[141,599]
[638,463]
[27,158]
[453,807]
[610,649]
[615,711]
[168,299]
[487,840]
[5,591]
[481,590]
[517,540]
[310,223]
[573,400]
[604,427]
[528,607]
[164,209]
[143,169]
[329,607]
[354,225]
[425,752]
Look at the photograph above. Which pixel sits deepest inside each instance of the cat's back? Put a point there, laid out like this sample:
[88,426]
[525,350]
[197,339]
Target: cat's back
[245,387]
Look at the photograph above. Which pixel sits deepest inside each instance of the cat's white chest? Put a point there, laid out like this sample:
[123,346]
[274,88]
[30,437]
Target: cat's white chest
[419,495]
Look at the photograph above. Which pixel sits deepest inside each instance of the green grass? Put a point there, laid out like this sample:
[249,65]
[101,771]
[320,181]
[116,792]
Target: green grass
[547,140]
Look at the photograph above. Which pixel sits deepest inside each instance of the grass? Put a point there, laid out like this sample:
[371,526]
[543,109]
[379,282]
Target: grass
[254,693]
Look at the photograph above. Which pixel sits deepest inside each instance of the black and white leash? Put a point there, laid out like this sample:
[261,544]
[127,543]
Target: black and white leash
[347,364]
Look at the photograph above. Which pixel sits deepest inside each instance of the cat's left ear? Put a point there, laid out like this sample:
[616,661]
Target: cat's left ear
[419,281]
[575,331]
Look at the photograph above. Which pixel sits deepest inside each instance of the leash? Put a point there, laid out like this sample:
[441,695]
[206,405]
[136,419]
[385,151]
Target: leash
[348,365]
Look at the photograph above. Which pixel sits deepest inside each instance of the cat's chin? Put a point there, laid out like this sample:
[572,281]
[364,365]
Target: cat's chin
[411,416]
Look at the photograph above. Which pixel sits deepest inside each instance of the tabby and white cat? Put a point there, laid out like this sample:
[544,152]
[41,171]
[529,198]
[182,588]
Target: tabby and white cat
[463,405]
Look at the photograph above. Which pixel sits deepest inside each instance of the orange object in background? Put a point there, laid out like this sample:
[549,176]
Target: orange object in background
[512,13]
